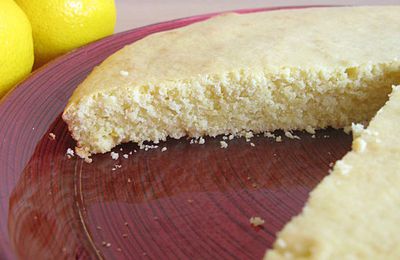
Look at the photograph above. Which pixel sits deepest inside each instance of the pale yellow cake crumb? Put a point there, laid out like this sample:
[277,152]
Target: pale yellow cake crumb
[114,155]
[310,129]
[289,135]
[256,221]
[70,153]
[202,140]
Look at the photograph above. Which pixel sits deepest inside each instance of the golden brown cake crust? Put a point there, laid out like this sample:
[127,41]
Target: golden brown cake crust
[304,38]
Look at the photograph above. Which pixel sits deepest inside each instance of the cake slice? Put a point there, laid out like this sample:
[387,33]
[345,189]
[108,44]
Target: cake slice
[287,69]
[354,213]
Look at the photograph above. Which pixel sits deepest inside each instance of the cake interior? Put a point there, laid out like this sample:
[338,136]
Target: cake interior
[233,102]
[353,213]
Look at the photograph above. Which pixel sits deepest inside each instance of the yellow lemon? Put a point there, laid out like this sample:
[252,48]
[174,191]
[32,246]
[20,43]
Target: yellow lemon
[62,25]
[16,45]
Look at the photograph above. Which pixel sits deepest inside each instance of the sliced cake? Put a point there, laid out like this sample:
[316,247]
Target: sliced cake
[287,69]
[354,213]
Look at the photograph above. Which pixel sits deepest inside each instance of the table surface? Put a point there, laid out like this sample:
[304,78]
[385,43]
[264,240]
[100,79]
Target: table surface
[136,13]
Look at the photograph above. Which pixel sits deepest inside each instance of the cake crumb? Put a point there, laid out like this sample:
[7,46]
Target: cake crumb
[119,249]
[202,140]
[108,245]
[124,235]
[114,155]
[104,243]
[278,139]
[256,221]
[70,153]
[313,136]
[231,136]
[116,167]
[130,153]
[146,147]
[310,130]
[124,73]
[52,136]
[291,136]
[163,149]
[129,180]
[99,228]
[252,144]
[223,144]
[190,200]
[224,137]
[249,135]
[126,156]
[269,135]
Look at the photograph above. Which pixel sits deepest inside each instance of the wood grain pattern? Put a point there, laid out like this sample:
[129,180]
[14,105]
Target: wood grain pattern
[189,202]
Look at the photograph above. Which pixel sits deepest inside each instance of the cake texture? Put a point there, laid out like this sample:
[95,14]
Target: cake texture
[354,212]
[288,69]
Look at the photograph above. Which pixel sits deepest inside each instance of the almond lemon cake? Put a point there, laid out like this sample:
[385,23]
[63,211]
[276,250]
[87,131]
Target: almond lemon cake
[287,69]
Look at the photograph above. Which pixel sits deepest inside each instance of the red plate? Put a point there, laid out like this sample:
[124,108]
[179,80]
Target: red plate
[191,201]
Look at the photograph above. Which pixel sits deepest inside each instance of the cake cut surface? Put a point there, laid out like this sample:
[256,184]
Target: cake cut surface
[354,213]
[287,69]
[290,69]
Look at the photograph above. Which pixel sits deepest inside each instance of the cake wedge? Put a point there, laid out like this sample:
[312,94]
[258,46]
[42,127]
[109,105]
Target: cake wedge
[354,213]
[285,69]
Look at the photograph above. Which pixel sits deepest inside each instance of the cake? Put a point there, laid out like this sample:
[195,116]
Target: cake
[289,69]
[286,69]
[354,213]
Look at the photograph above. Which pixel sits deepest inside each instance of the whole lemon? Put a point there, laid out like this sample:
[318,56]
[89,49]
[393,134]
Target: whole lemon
[62,25]
[16,45]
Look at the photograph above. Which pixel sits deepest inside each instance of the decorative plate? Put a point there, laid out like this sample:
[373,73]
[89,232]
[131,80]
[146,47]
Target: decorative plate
[190,201]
